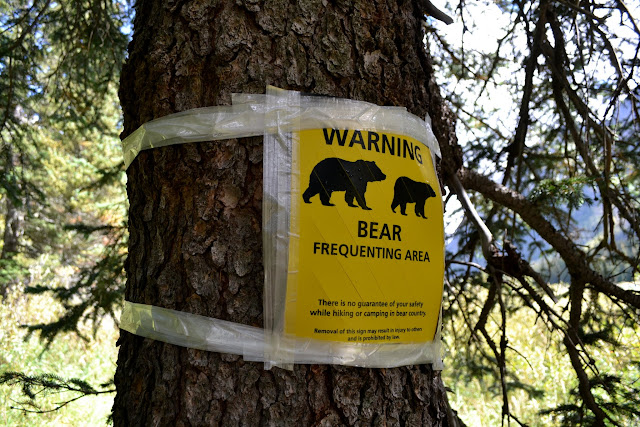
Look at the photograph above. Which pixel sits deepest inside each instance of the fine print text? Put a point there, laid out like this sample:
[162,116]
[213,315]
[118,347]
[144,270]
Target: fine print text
[369,310]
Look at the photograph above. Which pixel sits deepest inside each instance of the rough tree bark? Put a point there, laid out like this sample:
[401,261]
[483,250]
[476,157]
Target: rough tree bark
[195,210]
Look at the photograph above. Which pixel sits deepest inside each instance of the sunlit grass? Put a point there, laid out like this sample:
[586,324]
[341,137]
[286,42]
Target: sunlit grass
[538,359]
[68,357]
[535,357]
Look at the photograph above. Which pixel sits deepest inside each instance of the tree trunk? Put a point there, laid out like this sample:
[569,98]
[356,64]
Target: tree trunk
[13,220]
[195,209]
[13,226]
[12,230]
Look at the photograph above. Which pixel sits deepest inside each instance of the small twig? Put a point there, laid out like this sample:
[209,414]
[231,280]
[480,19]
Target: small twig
[468,264]
[61,404]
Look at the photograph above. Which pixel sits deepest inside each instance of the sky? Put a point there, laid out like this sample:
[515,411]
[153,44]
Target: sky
[486,23]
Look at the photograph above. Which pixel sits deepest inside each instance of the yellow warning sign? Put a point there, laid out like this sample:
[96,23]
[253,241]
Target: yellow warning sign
[366,247]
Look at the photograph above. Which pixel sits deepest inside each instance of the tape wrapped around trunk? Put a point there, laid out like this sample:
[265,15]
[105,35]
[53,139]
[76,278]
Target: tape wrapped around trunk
[353,235]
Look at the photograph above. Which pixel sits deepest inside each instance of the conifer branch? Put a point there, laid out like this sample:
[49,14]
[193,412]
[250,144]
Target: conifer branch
[36,386]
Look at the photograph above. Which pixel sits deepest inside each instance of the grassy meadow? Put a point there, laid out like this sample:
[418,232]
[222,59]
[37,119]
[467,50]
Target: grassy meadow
[69,356]
[539,363]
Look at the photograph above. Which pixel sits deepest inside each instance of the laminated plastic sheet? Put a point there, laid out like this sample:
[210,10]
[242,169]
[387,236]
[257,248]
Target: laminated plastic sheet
[314,295]
[288,120]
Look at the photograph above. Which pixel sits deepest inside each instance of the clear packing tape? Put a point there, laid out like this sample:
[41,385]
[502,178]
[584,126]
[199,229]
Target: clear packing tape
[276,115]
[248,117]
[206,333]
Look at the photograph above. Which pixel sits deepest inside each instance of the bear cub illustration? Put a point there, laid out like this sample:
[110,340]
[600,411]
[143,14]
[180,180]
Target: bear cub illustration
[406,191]
[333,174]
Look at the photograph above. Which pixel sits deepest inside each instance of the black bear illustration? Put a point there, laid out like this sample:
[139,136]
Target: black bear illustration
[406,191]
[333,174]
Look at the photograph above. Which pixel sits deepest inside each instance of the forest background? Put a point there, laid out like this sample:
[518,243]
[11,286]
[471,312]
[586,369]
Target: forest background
[542,294]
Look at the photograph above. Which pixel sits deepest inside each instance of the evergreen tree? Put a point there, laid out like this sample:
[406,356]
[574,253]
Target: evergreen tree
[547,179]
[185,199]
[549,118]
[59,64]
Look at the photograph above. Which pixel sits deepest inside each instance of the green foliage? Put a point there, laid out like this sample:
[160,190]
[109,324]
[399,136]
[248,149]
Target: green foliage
[547,100]
[11,268]
[84,365]
[97,291]
[61,164]
[540,379]
[567,192]
[59,65]
[549,111]
[61,185]
[33,386]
